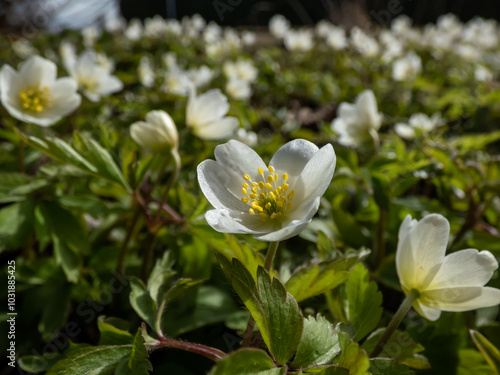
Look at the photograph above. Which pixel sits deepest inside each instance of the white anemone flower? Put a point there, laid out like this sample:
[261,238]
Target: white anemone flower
[419,122]
[299,40]
[206,115]
[407,67]
[33,94]
[454,282]
[279,26]
[94,80]
[238,89]
[157,134]
[272,202]
[359,121]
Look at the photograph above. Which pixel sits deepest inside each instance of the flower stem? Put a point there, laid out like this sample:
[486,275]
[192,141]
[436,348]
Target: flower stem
[211,353]
[170,183]
[396,320]
[271,252]
[268,264]
[126,241]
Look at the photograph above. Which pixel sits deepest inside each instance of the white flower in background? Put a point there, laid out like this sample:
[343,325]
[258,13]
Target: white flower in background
[365,44]
[407,67]
[177,83]
[238,89]
[200,76]
[392,47]
[483,74]
[359,121]
[23,48]
[33,94]
[157,134]
[212,33]
[469,52]
[401,24]
[299,40]
[231,39]
[279,26]
[248,137]
[206,115]
[170,61]
[241,69]
[445,283]
[272,202]
[90,35]
[172,27]
[67,50]
[105,62]
[93,80]
[146,72]
[155,27]
[419,122]
[192,26]
[248,38]
[336,38]
[481,33]
[115,24]
[134,29]
[323,28]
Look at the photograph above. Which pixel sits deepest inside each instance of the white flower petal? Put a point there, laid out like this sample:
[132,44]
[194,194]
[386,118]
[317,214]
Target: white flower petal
[225,221]
[294,228]
[461,298]
[37,70]
[109,85]
[292,157]
[218,129]
[220,187]
[465,268]
[404,131]
[422,252]
[238,159]
[9,82]
[206,108]
[317,174]
[429,313]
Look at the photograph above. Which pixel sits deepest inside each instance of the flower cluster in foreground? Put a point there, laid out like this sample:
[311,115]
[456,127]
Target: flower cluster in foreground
[444,283]
[272,202]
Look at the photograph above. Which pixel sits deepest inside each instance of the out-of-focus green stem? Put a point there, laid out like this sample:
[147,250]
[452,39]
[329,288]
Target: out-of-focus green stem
[271,252]
[396,320]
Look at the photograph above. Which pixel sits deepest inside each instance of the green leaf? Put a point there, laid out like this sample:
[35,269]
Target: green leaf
[162,272]
[386,366]
[352,357]
[475,141]
[312,280]
[38,363]
[111,335]
[16,224]
[95,360]
[318,345]
[489,351]
[67,257]
[471,362]
[247,361]
[364,301]
[283,318]
[138,363]
[141,301]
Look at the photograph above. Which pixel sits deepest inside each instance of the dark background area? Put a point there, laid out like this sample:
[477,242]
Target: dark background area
[347,12]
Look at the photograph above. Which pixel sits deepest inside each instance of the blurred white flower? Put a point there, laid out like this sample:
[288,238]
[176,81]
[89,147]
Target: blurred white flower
[146,72]
[23,48]
[157,134]
[299,40]
[483,74]
[481,33]
[177,83]
[206,115]
[444,283]
[359,121]
[200,76]
[105,62]
[33,94]
[248,38]
[93,80]
[336,38]
[469,52]
[248,137]
[67,50]
[212,33]
[407,67]
[240,69]
[323,28]
[90,35]
[238,88]
[134,29]
[365,44]
[272,202]
[279,26]
[419,121]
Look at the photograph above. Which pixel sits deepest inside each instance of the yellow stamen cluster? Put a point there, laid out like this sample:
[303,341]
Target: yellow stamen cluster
[267,198]
[88,84]
[35,98]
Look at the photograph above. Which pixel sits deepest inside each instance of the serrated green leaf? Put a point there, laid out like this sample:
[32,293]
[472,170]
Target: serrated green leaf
[247,361]
[282,315]
[96,360]
[386,366]
[318,345]
[141,302]
[352,357]
[138,362]
[364,301]
[487,349]
[312,280]
[111,335]
[161,273]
